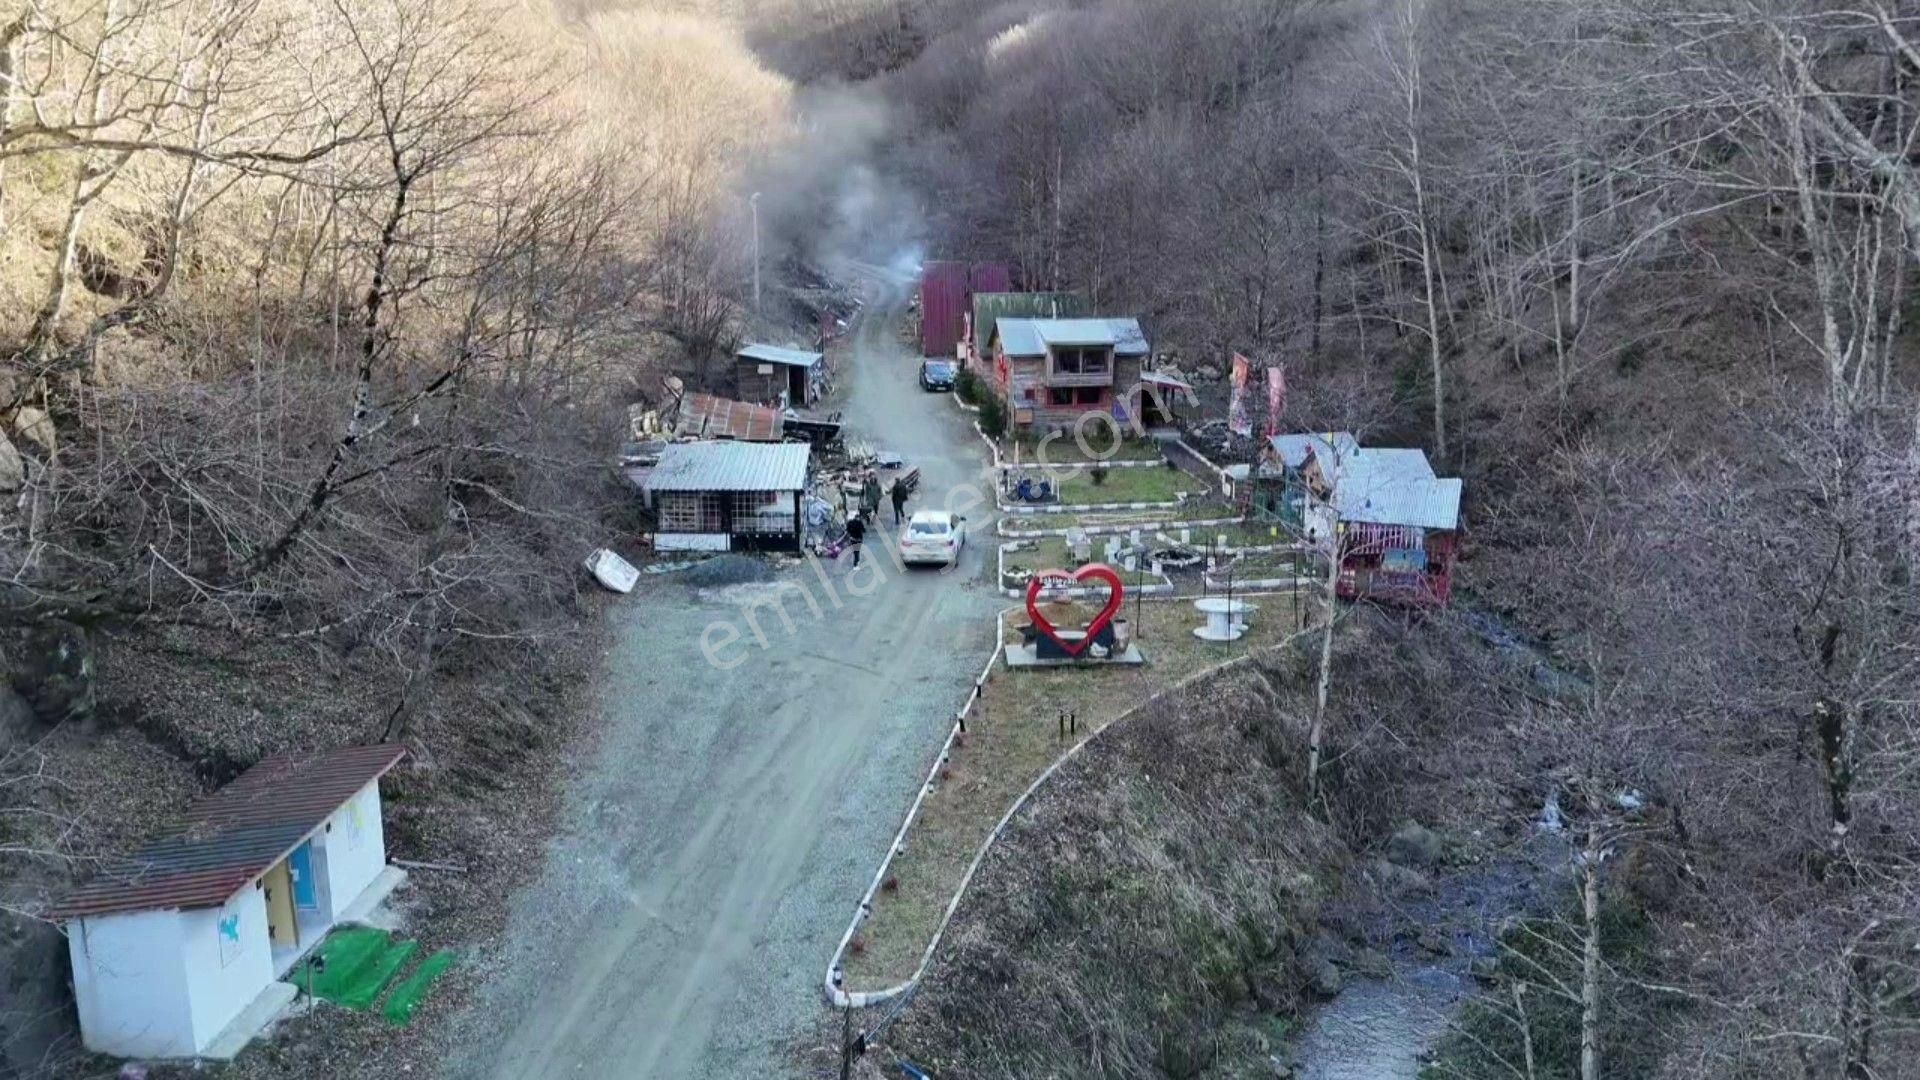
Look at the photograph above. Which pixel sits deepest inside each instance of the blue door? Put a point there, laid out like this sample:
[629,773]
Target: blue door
[300,863]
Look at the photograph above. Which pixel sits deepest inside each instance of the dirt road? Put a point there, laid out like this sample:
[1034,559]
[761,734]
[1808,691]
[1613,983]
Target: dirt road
[728,819]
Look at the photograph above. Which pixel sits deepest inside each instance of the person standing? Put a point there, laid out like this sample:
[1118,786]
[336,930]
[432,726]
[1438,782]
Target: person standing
[870,495]
[899,494]
[856,535]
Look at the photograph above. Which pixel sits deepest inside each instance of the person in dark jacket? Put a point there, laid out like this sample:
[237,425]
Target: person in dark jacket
[870,495]
[856,535]
[899,494]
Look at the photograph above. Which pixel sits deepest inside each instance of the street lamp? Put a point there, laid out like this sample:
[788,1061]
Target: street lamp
[754,202]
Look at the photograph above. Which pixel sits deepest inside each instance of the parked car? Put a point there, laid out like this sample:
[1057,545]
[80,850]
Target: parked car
[937,374]
[933,536]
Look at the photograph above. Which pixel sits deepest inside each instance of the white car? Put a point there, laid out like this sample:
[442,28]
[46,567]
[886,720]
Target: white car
[933,536]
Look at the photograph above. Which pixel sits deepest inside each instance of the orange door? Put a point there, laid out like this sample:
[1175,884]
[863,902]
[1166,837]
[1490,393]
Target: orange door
[279,888]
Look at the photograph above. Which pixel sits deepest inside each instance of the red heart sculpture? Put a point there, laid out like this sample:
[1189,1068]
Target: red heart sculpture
[1095,571]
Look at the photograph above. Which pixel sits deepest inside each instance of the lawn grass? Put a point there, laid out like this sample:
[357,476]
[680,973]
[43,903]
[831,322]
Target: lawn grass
[1050,553]
[1125,486]
[1066,450]
[1012,736]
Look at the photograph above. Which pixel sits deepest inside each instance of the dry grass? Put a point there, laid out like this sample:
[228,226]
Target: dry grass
[1012,736]
[1123,520]
[1067,451]
[1051,554]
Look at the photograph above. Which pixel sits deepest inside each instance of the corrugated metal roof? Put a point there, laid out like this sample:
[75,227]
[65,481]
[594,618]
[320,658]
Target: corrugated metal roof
[234,835]
[1427,504]
[990,277]
[1385,486]
[703,416]
[990,307]
[1030,337]
[774,354]
[731,466]
[1331,448]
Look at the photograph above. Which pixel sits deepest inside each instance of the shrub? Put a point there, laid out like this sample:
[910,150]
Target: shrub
[1097,474]
[970,387]
[993,417]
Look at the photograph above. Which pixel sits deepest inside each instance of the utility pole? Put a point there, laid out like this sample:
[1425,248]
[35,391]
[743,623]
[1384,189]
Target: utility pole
[754,202]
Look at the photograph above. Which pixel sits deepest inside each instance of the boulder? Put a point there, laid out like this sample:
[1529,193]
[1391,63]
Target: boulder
[13,469]
[1324,978]
[35,425]
[1371,964]
[1434,942]
[1415,845]
[1399,882]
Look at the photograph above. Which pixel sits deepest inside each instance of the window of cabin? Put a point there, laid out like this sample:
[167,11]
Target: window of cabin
[1063,396]
[1080,360]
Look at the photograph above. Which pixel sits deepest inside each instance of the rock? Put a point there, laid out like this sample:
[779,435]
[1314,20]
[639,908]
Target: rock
[1399,882]
[1323,978]
[1434,942]
[1372,964]
[1415,845]
[1325,945]
[36,425]
[13,470]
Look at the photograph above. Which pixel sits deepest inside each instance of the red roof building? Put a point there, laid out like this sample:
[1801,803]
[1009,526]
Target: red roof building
[172,944]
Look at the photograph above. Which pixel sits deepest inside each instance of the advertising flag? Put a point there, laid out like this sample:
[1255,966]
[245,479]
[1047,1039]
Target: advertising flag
[1239,420]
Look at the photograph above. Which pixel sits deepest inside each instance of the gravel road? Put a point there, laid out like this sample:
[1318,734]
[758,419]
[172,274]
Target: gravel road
[728,820]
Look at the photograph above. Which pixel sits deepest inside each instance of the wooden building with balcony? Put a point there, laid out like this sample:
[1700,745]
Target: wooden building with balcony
[1051,372]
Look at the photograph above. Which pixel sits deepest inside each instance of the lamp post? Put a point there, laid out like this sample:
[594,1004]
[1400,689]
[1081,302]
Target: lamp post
[754,202]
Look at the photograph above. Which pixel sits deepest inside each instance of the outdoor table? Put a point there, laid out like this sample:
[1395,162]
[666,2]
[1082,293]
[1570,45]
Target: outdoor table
[1226,619]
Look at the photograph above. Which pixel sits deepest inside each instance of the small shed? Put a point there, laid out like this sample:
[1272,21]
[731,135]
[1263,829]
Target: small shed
[1399,527]
[729,496]
[770,373]
[178,950]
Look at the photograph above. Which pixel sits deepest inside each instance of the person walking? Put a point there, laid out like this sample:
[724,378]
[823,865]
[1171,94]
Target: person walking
[856,535]
[870,495]
[899,494]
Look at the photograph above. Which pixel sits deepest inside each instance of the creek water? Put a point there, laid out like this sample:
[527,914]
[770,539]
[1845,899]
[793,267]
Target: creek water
[1379,1029]
[1383,1028]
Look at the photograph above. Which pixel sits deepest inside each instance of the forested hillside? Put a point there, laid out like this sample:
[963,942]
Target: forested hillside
[1641,273]
[316,324]
[316,317]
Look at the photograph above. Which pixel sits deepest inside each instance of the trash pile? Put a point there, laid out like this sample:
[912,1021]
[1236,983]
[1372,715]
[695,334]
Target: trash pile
[726,570]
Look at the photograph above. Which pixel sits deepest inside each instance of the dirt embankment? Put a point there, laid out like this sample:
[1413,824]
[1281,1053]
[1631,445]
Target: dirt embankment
[1165,883]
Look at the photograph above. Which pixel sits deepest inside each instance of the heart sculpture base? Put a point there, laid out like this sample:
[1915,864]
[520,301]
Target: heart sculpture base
[1072,645]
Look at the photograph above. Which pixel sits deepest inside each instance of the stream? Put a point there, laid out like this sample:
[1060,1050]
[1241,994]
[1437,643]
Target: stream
[1383,1028]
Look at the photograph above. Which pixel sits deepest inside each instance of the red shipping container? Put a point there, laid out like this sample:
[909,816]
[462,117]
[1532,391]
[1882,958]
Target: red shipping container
[943,304]
[990,277]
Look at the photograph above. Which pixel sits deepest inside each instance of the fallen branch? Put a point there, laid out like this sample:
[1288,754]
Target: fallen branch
[412,865]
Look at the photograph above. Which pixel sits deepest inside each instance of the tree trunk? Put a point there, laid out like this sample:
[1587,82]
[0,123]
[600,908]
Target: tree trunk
[1590,955]
[1316,737]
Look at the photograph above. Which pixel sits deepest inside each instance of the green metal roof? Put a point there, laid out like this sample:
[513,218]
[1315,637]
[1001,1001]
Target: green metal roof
[993,306]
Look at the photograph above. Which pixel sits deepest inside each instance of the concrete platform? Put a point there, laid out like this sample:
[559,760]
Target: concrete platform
[259,1015]
[366,908]
[1022,656]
